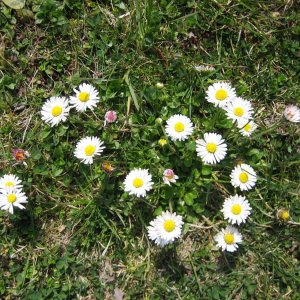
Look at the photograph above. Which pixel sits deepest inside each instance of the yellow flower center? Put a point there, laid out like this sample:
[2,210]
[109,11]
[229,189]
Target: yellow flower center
[236,209]
[238,111]
[169,225]
[247,127]
[84,97]
[229,238]
[221,95]
[11,198]
[9,183]
[138,182]
[243,177]
[179,127]
[56,111]
[285,215]
[211,147]
[89,150]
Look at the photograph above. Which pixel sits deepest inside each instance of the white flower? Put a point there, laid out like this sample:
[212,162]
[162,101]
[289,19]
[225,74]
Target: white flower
[165,228]
[292,113]
[9,180]
[87,148]
[86,97]
[243,176]
[169,177]
[211,148]
[220,94]
[138,182]
[247,127]
[55,110]
[179,127]
[11,197]
[228,239]
[239,110]
[236,209]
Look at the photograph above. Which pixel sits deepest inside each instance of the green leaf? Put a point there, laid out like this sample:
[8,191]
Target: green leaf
[132,92]
[15,4]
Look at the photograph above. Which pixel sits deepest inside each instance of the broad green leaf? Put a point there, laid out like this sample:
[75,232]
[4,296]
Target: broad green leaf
[15,4]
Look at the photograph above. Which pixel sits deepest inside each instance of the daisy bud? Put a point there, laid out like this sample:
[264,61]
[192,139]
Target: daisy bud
[162,142]
[159,85]
[158,121]
[110,116]
[169,177]
[20,154]
[283,215]
[107,167]
[292,113]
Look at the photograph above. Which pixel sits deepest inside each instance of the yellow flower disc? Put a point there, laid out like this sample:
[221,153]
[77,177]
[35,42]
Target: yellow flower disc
[229,238]
[11,198]
[169,225]
[56,111]
[238,111]
[243,177]
[211,147]
[84,97]
[89,150]
[236,209]
[221,95]
[179,127]
[138,182]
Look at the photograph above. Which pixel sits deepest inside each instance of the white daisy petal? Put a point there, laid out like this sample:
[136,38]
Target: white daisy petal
[55,110]
[243,176]
[138,182]
[86,97]
[212,148]
[87,148]
[292,113]
[179,127]
[220,94]
[239,110]
[236,209]
[10,197]
[165,228]
[228,239]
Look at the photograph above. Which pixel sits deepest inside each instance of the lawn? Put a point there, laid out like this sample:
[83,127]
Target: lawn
[82,236]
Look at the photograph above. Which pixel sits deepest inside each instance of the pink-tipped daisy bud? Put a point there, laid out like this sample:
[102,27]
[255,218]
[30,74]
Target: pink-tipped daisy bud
[110,116]
[169,177]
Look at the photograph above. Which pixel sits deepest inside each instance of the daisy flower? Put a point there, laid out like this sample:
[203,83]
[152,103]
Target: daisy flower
[236,209]
[211,148]
[292,113]
[243,176]
[247,127]
[165,228]
[228,239]
[55,110]
[87,148]
[179,127]
[86,97]
[169,177]
[10,180]
[138,182]
[239,110]
[11,197]
[220,94]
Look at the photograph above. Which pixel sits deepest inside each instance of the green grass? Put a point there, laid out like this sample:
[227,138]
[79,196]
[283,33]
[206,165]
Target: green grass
[81,236]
